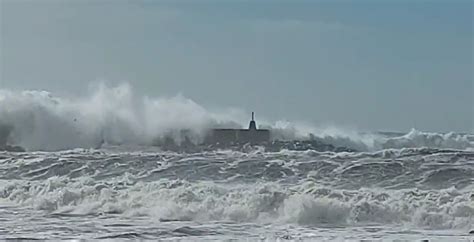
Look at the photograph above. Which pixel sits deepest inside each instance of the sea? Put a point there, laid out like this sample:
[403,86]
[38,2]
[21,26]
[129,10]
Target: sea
[411,186]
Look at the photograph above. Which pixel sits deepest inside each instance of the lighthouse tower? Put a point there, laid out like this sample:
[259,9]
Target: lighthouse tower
[253,124]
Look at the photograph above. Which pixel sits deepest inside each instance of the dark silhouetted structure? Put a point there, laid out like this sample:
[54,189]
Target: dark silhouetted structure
[239,136]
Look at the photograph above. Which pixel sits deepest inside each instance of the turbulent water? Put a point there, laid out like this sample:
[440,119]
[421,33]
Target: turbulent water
[40,120]
[409,186]
[413,193]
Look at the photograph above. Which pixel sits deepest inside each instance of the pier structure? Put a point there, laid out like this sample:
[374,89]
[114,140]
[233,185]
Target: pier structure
[251,135]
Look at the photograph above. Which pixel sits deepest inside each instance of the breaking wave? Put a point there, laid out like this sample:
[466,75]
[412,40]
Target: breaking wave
[38,120]
[41,121]
[417,188]
[183,201]
[416,138]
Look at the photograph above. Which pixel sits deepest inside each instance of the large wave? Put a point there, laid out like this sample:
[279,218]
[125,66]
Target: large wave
[419,188]
[39,120]
[308,204]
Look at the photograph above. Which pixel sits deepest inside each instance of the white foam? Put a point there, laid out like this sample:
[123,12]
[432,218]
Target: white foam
[116,116]
[261,203]
[416,138]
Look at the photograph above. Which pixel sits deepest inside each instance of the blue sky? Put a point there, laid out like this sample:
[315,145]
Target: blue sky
[374,65]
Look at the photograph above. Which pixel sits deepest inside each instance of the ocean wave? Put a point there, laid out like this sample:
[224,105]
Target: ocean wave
[416,138]
[39,120]
[426,168]
[417,188]
[308,204]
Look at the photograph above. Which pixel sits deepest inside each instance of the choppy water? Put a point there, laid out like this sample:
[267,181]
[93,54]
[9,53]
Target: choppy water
[412,193]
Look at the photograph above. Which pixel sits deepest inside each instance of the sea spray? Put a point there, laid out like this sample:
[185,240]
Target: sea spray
[39,120]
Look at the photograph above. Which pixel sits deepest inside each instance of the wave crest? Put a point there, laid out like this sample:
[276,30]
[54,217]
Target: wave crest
[177,200]
[38,120]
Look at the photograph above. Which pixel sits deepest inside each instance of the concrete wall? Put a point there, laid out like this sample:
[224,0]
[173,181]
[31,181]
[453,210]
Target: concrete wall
[227,136]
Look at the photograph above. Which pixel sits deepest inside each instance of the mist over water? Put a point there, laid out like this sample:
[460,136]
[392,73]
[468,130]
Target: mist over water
[40,120]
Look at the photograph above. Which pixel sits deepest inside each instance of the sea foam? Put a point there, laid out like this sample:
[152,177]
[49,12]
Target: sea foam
[39,120]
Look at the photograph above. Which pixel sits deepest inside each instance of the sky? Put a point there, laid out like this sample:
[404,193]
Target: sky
[374,65]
